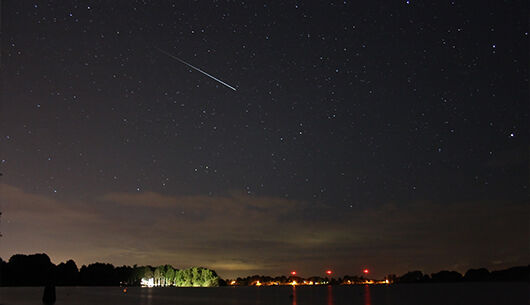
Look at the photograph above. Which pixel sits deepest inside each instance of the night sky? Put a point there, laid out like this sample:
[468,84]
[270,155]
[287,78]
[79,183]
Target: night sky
[363,134]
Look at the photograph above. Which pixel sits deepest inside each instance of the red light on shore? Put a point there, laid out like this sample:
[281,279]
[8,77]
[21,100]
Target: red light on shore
[293,272]
[366,271]
[329,272]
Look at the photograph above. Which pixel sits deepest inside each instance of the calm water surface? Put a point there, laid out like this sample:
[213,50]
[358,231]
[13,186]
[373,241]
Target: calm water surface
[411,294]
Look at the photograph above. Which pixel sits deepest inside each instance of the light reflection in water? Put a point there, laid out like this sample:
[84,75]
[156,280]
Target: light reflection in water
[330,295]
[367,297]
[146,295]
[294,295]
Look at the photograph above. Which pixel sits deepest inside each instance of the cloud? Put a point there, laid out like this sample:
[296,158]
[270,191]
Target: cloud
[19,205]
[147,199]
[235,265]
[238,234]
[235,201]
[234,209]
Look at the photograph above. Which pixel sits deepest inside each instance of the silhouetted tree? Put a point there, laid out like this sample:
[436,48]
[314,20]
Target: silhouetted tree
[446,276]
[281,279]
[67,274]
[477,275]
[514,274]
[144,272]
[348,279]
[29,270]
[125,275]
[98,274]
[3,272]
[411,277]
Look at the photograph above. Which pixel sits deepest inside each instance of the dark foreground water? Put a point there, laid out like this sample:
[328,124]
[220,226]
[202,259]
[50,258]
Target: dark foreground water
[411,294]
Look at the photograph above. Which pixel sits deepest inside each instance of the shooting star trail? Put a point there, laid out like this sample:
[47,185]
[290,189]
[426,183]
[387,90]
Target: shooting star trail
[197,69]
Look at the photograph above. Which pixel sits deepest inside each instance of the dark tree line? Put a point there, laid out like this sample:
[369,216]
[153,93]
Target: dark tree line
[514,274]
[38,270]
[282,280]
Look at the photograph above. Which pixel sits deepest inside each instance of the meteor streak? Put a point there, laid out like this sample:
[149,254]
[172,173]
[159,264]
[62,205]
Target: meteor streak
[197,69]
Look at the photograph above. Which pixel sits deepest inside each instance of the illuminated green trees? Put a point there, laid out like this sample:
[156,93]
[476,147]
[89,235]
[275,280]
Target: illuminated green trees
[209,278]
[196,277]
[180,278]
[158,275]
[166,275]
[169,275]
[187,278]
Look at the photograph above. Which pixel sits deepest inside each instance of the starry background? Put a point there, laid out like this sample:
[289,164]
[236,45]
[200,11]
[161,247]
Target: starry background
[392,136]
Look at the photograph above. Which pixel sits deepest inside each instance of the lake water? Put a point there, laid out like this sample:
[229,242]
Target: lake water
[409,294]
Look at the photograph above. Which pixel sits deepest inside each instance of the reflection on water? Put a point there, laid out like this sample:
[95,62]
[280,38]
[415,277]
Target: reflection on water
[330,295]
[146,296]
[421,294]
[367,297]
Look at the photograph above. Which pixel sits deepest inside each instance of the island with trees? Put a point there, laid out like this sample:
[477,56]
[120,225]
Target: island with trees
[38,270]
